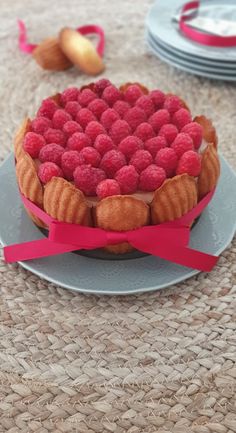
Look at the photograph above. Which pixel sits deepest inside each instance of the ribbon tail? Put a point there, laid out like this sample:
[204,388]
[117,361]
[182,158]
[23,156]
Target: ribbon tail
[24,46]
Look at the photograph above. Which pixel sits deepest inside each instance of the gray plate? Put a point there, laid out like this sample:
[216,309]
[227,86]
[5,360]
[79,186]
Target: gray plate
[92,275]
[159,23]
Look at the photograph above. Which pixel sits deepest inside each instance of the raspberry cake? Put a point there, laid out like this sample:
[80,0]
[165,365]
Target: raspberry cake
[115,158]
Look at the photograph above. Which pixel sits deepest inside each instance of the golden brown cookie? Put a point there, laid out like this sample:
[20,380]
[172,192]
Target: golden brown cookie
[19,137]
[125,86]
[210,171]
[209,131]
[173,199]
[49,55]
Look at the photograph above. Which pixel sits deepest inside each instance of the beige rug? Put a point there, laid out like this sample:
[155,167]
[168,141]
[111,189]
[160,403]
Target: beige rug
[159,362]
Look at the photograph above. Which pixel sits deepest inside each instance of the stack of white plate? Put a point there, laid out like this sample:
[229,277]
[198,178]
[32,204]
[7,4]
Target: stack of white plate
[170,45]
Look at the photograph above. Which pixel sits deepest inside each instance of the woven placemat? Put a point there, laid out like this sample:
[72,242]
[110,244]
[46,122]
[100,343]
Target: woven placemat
[159,362]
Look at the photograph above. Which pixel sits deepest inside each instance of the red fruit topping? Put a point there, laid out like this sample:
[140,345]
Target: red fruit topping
[111,94]
[84,116]
[60,117]
[71,127]
[41,124]
[121,107]
[103,144]
[72,107]
[87,178]
[70,94]
[181,118]
[182,144]
[195,131]
[107,187]
[108,117]
[86,96]
[47,108]
[172,104]
[90,156]
[158,119]
[151,178]
[144,131]
[190,163]
[55,136]
[129,145]
[127,177]
[51,153]
[119,130]
[33,143]
[78,141]
[69,161]
[48,170]
[132,93]
[141,159]
[154,144]
[146,104]
[112,161]
[97,106]
[134,116]
[100,85]
[158,98]
[93,129]
[169,131]
[167,159]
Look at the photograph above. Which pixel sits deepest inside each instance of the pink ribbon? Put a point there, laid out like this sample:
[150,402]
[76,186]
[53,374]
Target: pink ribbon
[201,37]
[167,240]
[26,47]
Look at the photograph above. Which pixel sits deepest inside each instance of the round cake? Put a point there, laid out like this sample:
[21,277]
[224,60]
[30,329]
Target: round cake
[117,158]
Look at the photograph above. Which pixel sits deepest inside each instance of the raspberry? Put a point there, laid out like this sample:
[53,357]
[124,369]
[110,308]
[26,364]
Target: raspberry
[127,177]
[152,178]
[132,93]
[111,94]
[141,159]
[103,144]
[48,170]
[144,131]
[100,85]
[146,104]
[71,127]
[51,153]
[47,108]
[84,116]
[182,143]
[169,131]
[157,98]
[97,106]
[90,156]
[70,94]
[112,161]
[60,117]
[119,130]
[86,96]
[72,107]
[195,131]
[190,163]
[87,178]
[107,187]
[154,144]
[158,119]
[69,161]
[129,145]
[108,117]
[167,159]
[41,124]
[78,141]
[172,104]
[55,136]
[93,129]
[121,107]
[181,118]
[134,116]
[33,143]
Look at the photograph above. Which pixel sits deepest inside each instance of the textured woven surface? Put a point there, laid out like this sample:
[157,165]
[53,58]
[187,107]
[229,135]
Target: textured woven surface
[160,362]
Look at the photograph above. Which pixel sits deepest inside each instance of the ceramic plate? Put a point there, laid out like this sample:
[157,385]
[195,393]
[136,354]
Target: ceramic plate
[92,275]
